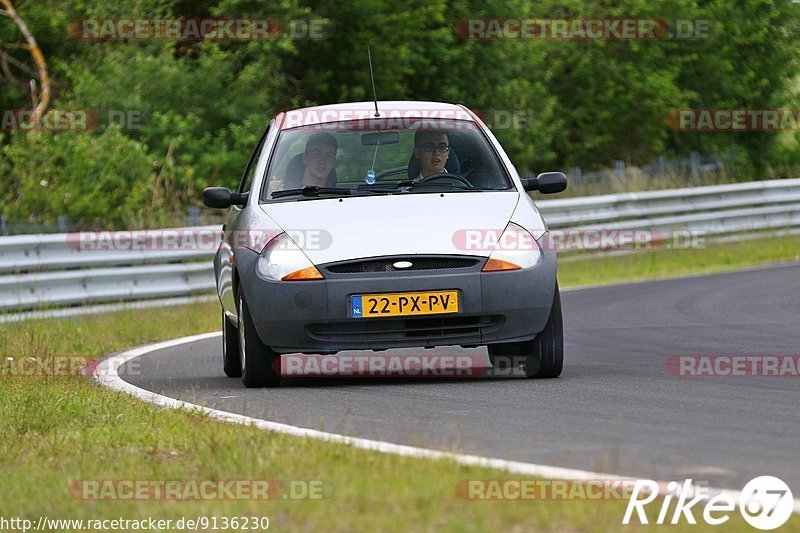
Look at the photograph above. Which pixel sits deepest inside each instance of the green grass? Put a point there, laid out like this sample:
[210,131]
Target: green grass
[574,270]
[55,430]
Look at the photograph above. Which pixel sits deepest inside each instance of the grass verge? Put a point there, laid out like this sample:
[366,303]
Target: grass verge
[59,429]
[575,271]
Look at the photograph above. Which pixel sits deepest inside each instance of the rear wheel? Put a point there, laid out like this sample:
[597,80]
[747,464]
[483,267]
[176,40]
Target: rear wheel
[258,362]
[542,356]
[230,348]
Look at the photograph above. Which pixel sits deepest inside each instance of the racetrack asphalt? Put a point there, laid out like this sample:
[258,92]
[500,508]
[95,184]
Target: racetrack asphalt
[615,409]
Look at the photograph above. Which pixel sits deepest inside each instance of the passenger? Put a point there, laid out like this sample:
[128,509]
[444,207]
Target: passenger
[319,160]
[315,166]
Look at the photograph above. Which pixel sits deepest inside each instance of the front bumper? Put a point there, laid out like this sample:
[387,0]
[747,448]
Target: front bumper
[314,316]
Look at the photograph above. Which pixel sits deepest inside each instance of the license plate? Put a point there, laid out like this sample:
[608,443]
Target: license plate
[404,304]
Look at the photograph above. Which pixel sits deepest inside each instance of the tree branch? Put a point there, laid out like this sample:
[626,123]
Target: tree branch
[40,107]
[4,67]
[14,46]
[6,58]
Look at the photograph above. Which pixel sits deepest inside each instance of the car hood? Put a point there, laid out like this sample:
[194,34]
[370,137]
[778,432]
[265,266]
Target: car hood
[331,230]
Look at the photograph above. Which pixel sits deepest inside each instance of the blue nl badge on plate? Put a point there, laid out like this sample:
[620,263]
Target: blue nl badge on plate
[357,313]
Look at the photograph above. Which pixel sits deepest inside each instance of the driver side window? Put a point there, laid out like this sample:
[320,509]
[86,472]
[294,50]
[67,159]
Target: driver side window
[250,171]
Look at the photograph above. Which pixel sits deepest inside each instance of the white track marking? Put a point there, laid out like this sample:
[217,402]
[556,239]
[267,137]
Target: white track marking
[107,374]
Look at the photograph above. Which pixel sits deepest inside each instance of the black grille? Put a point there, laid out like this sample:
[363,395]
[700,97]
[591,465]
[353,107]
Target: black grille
[417,263]
[388,329]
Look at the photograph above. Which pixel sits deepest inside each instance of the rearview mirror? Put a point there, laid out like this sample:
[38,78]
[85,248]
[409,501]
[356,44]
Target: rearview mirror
[380,137]
[222,198]
[546,183]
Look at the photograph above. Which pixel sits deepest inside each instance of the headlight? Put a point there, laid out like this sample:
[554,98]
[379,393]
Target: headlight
[516,249]
[283,260]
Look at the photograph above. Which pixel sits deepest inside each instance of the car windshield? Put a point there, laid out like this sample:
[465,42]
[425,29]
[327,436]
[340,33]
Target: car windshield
[376,157]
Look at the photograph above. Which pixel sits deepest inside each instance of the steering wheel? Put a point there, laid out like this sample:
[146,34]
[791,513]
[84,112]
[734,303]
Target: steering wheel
[445,175]
[390,172]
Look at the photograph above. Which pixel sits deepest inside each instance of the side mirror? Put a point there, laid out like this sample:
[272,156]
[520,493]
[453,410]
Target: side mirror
[222,198]
[546,183]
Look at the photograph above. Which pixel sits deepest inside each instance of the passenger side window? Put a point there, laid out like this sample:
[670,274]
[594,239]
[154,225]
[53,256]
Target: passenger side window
[250,171]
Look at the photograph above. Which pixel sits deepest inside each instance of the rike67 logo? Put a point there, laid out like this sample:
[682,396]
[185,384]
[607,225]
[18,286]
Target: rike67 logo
[765,503]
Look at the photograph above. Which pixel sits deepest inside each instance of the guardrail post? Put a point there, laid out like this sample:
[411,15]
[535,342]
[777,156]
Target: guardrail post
[63,223]
[694,163]
[3,230]
[576,177]
[619,172]
[194,216]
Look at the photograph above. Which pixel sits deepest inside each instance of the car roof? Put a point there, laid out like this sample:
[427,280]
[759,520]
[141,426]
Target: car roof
[309,116]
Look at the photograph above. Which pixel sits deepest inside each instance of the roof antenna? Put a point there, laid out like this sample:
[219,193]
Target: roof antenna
[372,77]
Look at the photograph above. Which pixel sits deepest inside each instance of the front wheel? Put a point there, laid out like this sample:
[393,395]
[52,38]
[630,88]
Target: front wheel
[230,348]
[542,356]
[258,362]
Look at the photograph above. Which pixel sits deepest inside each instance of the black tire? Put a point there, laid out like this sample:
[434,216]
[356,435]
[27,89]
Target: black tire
[542,356]
[259,364]
[230,348]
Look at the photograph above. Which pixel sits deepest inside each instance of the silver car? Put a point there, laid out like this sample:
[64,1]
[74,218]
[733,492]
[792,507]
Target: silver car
[376,225]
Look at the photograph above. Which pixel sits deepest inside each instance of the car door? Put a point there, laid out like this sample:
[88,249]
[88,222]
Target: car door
[224,259]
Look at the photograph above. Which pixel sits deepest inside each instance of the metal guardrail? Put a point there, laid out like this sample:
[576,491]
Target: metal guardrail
[62,270]
[729,212]
[61,251]
[57,289]
[644,205]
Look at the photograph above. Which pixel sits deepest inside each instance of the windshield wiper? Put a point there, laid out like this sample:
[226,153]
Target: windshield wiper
[386,186]
[313,191]
[409,186]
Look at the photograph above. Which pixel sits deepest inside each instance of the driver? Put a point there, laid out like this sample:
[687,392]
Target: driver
[431,148]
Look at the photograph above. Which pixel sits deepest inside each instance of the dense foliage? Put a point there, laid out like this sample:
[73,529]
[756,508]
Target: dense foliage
[203,104]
